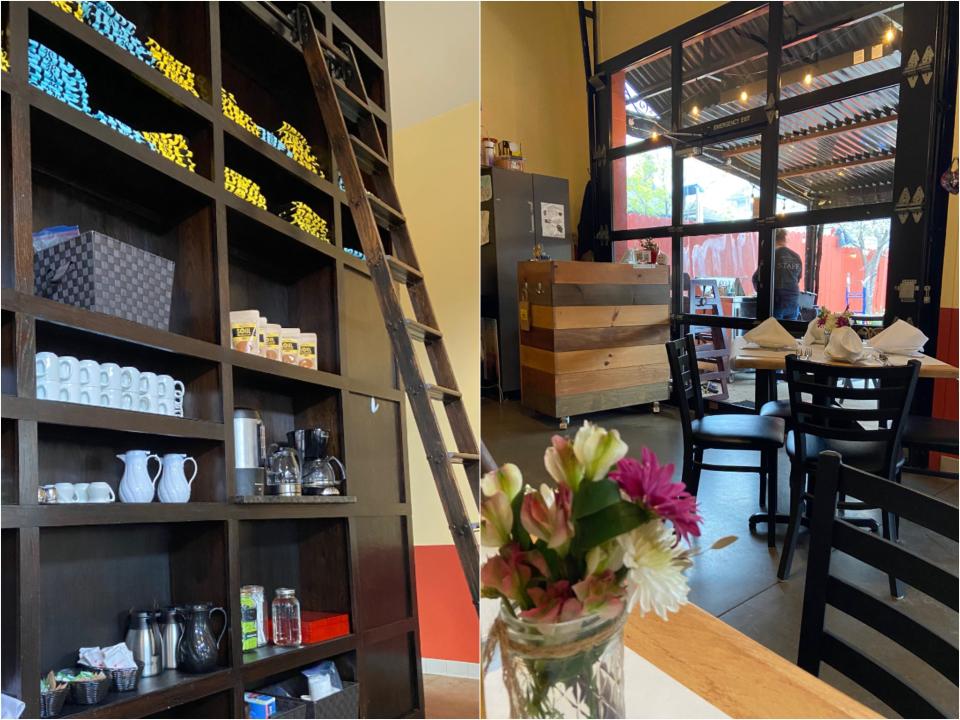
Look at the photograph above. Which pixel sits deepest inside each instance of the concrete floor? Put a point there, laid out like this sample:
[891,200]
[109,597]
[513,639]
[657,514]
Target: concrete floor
[739,583]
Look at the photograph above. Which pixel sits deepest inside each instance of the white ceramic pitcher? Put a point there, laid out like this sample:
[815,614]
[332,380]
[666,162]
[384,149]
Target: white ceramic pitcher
[137,486]
[174,486]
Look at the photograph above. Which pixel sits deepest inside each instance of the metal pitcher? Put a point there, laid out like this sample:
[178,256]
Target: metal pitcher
[197,650]
[171,630]
[143,639]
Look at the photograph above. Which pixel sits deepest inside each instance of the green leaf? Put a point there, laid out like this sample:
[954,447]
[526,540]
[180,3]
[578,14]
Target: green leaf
[593,496]
[607,524]
[519,533]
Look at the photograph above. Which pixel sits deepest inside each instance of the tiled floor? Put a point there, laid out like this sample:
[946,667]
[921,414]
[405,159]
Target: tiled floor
[739,583]
[450,697]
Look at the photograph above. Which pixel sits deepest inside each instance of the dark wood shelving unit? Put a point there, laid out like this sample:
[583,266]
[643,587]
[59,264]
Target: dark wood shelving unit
[60,166]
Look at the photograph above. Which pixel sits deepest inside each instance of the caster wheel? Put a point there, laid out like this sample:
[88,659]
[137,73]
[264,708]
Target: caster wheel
[564,422]
[656,407]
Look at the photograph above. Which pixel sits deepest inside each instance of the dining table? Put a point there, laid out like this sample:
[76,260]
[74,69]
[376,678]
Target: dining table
[696,665]
[766,362]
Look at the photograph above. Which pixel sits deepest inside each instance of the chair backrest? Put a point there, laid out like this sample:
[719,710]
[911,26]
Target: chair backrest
[829,531]
[685,375]
[814,389]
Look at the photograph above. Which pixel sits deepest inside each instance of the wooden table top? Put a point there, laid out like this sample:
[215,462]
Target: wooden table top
[758,359]
[735,674]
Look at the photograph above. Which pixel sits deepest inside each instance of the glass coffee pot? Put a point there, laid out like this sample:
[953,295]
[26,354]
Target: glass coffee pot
[283,471]
[321,474]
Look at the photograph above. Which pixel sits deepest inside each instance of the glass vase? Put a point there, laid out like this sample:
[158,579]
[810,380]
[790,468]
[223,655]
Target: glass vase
[572,669]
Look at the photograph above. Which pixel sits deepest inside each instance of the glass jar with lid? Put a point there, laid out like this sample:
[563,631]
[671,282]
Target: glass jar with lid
[286,618]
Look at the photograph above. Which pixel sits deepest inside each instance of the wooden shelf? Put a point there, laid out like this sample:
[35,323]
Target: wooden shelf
[150,77]
[337,550]
[270,660]
[288,164]
[284,371]
[88,416]
[166,689]
[76,129]
[107,325]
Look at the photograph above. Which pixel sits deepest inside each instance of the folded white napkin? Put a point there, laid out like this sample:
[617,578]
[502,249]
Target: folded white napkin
[901,338]
[770,334]
[814,334]
[844,345]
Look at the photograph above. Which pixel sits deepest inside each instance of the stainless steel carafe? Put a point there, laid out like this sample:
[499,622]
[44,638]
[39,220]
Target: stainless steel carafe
[250,451]
[143,639]
[171,629]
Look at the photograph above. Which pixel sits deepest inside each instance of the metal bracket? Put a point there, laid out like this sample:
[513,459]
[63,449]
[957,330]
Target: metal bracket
[919,67]
[597,82]
[926,294]
[600,153]
[907,290]
[908,206]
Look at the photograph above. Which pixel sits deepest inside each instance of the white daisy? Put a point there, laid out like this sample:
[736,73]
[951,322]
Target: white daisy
[656,564]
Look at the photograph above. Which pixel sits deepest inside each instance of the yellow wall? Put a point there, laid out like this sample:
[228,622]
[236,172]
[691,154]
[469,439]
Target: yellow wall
[533,88]
[624,25]
[435,160]
[951,266]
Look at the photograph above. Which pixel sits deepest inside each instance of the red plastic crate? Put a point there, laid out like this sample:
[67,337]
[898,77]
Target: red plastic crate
[318,626]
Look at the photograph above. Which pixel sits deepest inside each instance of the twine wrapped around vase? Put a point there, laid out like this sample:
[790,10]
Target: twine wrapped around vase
[510,648]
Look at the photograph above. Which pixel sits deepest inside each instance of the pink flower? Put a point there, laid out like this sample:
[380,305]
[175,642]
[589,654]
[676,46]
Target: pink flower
[556,603]
[562,463]
[601,594]
[651,485]
[546,516]
[536,560]
[506,574]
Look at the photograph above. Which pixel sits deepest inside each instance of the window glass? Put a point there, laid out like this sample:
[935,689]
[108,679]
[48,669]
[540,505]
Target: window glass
[841,154]
[641,96]
[844,265]
[718,274]
[642,190]
[725,69]
[826,43]
[722,182]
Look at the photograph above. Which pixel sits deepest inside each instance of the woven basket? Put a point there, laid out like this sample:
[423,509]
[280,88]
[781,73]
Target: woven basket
[51,703]
[122,680]
[89,692]
[126,680]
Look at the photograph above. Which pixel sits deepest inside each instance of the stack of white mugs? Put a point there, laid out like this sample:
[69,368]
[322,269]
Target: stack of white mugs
[88,382]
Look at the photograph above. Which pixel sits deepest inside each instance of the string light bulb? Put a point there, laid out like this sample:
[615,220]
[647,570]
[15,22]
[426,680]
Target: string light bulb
[695,111]
[888,35]
[654,135]
[808,79]
[743,96]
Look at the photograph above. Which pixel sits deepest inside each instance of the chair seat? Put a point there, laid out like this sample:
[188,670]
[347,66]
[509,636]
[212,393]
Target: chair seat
[931,433]
[866,456]
[776,408]
[737,431]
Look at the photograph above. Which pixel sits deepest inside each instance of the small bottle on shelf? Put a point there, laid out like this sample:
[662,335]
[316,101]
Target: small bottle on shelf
[286,618]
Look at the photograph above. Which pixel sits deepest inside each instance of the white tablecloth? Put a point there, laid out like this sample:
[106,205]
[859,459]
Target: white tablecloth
[648,691]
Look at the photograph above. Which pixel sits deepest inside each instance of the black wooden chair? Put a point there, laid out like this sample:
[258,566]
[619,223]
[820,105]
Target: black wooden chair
[819,645]
[821,423]
[925,435]
[735,431]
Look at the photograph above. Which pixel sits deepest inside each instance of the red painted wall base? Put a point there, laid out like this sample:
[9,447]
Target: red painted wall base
[449,627]
[945,391]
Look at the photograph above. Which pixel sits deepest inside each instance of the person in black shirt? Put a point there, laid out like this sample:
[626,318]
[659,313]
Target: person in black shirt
[787,268]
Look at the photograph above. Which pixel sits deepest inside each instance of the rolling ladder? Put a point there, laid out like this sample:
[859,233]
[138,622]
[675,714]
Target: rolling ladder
[342,98]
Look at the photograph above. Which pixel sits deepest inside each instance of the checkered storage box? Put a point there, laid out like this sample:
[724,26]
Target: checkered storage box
[99,273]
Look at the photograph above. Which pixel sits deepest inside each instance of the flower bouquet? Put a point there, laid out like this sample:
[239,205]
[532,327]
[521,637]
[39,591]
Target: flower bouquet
[829,321]
[572,561]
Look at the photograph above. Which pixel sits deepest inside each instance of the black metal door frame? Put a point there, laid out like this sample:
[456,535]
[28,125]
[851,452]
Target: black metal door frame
[926,111]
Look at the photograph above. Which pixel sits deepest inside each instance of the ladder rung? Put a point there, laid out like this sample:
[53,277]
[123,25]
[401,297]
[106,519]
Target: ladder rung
[386,216]
[461,458]
[403,273]
[438,392]
[352,106]
[422,333]
[369,160]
